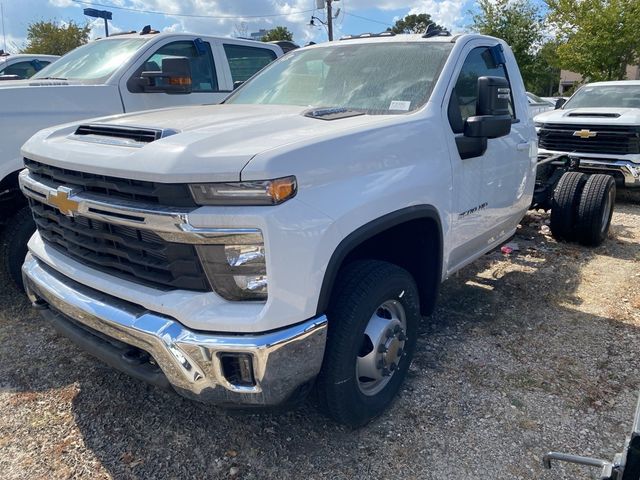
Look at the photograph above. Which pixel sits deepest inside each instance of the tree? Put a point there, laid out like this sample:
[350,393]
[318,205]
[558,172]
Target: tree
[517,22]
[546,80]
[599,37]
[413,24]
[50,38]
[278,33]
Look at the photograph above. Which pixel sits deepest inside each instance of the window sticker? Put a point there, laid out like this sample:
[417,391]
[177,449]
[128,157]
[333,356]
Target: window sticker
[400,105]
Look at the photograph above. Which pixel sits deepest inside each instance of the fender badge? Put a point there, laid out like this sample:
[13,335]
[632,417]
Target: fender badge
[60,200]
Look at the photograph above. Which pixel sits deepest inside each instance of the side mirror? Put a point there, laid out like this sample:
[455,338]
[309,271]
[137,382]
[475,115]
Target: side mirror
[238,84]
[175,77]
[493,119]
[560,103]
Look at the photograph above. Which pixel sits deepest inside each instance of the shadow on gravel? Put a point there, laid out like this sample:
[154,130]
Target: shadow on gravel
[506,369]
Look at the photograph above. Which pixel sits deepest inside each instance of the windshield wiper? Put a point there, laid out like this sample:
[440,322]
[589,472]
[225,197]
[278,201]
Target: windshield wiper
[50,78]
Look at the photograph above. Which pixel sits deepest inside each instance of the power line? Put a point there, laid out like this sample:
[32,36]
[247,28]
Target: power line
[168,14]
[368,19]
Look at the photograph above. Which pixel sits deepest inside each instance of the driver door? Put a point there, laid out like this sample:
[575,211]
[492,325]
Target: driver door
[488,183]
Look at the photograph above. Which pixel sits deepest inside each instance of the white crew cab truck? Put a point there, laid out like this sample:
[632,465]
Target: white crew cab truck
[122,73]
[292,237]
[599,126]
[22,66]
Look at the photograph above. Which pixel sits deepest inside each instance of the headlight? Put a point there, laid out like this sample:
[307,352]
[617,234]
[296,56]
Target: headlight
[236,272]
[538,126]
[267,192]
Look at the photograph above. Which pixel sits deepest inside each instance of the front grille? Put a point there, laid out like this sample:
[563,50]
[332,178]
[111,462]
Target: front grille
[610,139]
[166,194]
[137,255]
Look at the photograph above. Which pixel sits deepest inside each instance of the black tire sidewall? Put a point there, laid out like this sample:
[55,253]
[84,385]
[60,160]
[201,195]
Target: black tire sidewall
[360,408]
[14,237]
[564,205]
[591,210]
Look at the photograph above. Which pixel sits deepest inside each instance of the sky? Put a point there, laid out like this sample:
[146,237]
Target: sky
[233,17]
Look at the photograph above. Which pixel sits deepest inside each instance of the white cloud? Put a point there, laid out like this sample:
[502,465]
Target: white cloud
[446,12]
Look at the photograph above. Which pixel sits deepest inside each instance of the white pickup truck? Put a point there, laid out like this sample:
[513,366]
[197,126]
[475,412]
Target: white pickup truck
[599,126]
[22,66]
[291,238]
[122,73]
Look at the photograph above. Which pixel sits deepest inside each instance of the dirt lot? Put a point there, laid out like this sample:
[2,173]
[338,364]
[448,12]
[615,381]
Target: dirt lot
[527,352]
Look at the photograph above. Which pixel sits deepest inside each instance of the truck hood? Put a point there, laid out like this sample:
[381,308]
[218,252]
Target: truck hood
[212,143]
[592,116]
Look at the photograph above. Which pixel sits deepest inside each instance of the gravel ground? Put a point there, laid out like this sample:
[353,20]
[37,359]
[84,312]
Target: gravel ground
[526,352]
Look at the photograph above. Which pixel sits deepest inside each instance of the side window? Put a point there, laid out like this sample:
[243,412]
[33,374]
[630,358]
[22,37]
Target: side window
[479,63]
[21,69]
[203,69]
[245,61]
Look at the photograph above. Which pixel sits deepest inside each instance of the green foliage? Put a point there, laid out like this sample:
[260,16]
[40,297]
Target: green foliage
[599,37]
[278,33]
[413,24]
[546,67]
[50,38]
[521,25]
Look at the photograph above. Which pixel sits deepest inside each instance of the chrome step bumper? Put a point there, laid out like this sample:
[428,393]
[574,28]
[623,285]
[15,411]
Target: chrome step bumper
[281,361]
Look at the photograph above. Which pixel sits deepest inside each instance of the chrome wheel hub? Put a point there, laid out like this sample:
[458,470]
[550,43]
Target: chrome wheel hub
[382,347]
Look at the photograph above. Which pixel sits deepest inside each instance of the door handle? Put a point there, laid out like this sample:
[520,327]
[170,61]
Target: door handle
[523,146]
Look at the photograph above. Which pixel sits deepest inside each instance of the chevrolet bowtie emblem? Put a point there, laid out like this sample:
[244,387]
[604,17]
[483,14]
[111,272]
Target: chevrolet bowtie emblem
[584,134]
[60,200]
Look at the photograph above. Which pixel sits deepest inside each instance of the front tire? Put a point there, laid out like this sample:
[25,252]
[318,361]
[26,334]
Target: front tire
[13,245]
[373,322]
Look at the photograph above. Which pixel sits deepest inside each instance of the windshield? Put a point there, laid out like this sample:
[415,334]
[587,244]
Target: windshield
[378,78]
[612,96]
[94,62]
[536,99]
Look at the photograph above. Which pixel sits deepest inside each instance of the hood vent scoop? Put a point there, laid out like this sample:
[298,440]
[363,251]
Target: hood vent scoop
[49,83]
[331,113]
[118,135]
[594,114]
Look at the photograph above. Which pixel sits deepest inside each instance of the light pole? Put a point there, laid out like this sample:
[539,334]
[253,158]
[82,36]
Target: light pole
[105,14]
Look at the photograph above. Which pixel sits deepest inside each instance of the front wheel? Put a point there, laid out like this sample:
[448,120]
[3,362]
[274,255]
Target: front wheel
[373,321]
[13,244]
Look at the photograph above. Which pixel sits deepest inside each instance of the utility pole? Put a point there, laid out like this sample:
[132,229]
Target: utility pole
[330,20]
[320,4]
[4,34]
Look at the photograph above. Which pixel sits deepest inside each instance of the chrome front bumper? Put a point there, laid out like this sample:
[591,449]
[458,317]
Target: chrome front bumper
[623,169]
[630,171]
[282,361]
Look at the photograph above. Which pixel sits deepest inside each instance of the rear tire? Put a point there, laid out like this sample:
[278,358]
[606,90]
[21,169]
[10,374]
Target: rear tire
[595,210]
[564,205]
[13,245]
[373,321]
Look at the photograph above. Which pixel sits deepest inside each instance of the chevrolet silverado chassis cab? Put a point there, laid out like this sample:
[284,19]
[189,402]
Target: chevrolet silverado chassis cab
[600,128]
[114,75]
[291,238]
